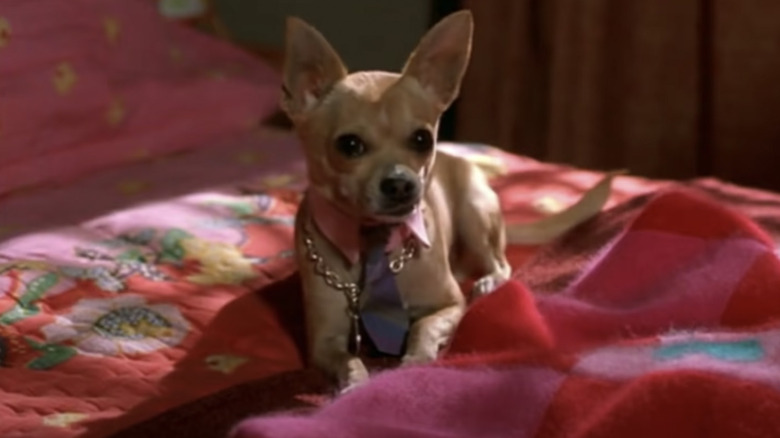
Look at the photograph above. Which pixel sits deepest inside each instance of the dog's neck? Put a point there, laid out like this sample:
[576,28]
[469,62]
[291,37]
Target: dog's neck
[343,230]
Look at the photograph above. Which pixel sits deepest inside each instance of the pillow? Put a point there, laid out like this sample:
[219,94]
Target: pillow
[86,84]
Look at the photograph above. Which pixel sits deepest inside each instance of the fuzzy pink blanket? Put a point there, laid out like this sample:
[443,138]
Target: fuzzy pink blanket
[671,328]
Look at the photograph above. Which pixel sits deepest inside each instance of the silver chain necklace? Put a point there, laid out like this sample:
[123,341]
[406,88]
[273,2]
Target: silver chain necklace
[350,289]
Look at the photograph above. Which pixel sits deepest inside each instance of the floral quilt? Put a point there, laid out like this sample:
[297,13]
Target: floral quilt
[110,289]
[134,291]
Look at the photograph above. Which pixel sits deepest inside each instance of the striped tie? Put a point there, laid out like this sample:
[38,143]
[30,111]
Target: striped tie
[382,311]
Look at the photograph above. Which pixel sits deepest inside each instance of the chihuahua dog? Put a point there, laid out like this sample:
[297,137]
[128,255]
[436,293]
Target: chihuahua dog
[369,140]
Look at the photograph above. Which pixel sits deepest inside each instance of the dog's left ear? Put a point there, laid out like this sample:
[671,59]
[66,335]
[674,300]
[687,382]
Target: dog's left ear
[440,59]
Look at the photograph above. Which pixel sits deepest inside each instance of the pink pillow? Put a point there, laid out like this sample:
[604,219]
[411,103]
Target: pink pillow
[86,84]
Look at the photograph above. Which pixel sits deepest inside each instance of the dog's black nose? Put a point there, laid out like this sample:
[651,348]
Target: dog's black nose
[398,188]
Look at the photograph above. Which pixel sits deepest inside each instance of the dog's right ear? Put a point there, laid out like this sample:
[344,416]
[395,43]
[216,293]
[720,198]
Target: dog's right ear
[311,68]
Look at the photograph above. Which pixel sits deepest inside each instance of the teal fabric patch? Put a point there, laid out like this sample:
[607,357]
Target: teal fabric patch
[749,350]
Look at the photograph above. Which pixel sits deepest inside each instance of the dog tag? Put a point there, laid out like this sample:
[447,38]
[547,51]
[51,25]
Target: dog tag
[353,343]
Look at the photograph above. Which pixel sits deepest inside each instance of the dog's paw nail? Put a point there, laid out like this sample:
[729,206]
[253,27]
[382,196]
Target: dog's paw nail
[352,384]
[356,376]
[350,387]
[485,285]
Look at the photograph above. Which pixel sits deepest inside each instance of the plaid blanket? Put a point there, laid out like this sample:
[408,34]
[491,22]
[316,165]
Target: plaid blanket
[659,318]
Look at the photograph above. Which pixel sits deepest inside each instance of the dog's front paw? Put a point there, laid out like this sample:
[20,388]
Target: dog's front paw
[486,284]
[354,375]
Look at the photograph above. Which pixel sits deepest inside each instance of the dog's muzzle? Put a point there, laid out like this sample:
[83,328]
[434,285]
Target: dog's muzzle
[400,189]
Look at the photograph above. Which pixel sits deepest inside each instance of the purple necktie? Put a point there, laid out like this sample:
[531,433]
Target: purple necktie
[382,311]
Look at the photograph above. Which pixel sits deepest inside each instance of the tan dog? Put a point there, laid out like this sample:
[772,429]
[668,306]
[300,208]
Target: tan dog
[369,140]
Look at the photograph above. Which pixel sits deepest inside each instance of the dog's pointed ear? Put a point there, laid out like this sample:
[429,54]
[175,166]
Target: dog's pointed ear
[311,67]
[440,59]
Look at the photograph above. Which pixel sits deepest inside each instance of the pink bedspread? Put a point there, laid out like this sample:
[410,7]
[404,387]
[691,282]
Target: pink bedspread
[125,294]
[86,84]
[110,284]
[130,293]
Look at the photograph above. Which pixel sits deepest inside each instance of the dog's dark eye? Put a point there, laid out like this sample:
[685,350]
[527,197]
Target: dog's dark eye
[422,140]
[350,145]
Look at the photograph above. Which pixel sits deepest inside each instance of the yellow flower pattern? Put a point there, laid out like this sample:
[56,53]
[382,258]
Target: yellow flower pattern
[112,29]
[115,113]
[249,157]
[277,181]
[132,187]
[64,419]
[220,263]
[139,154]
[64,78]
[225,363]
[176,55]
[33,265]
[6,229]
[215,74]
[5,32]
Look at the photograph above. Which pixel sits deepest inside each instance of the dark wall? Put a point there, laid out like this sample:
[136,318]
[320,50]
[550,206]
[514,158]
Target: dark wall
[370,34]
[440,9]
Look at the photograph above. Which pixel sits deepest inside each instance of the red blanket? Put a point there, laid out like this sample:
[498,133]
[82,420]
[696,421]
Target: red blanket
[661,318]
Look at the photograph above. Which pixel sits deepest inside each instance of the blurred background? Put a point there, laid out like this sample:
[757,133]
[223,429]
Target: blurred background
[665,88]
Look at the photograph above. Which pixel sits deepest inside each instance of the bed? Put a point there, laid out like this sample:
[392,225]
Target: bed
[147,286]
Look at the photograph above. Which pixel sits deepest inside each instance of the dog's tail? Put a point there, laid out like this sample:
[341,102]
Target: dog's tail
[550,228]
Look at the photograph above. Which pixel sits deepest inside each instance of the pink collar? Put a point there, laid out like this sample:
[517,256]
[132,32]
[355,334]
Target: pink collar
[343,230]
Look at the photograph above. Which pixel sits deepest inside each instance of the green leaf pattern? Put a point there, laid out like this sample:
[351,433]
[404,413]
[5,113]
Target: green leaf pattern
[37,288]
[172,251]
[52,355]
[25,305]
[137,248]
